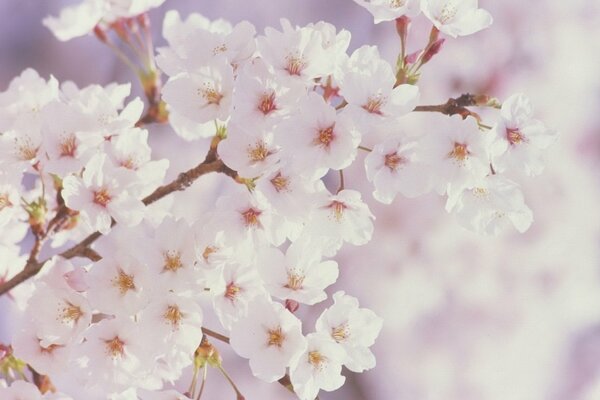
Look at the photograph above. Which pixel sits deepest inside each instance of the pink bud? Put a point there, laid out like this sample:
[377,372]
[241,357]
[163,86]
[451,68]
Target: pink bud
[100,33]
[292,305]
[412,58]
[433,50]
[402,25]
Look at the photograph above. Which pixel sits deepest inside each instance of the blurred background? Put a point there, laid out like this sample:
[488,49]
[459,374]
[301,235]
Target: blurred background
[466,317]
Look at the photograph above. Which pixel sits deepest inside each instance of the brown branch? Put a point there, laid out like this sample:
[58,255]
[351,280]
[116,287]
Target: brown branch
[458,106]
[215,335]
[82,249]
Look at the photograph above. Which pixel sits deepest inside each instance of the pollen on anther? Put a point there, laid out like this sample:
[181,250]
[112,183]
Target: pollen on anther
[71,312]
[173,315]
[460,152]
[374,104]
[172,261]
[251,217]
[514,136]
[267,104]
[324,137]
[4,201]
[102,197]
[231,291]
[115,347]
[280,182]
[316,359]
[276,337]
[258,152]
[393,161]
[338,209]
[340,333]
[123,282]
[68,146]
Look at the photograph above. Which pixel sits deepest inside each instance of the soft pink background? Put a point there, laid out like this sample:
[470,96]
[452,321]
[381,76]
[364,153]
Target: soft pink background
[467,318]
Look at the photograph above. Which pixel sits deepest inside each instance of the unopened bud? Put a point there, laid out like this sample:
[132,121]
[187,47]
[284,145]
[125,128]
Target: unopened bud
[412,58]
[100,34]
[402,25]
[292,305]
[433,50]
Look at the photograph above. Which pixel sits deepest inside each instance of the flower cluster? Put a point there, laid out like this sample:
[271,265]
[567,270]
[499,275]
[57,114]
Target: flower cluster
[281,111]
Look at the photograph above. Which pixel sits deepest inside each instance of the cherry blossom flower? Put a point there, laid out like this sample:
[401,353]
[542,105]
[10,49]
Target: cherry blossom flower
[240,285]
[203,95]
[490,206]
[66,314]
[114,355]
[459,154]
[354,328]
[119,285]
[316,139]
[80,19]
[299,275]
[102,193]
[522,139]
[251,152]
[371,92]
[456,17]
[270,337]
[395,166]
[295,53]
[319,367]
[260,99]
[339,218]
[389,10]
[197,40]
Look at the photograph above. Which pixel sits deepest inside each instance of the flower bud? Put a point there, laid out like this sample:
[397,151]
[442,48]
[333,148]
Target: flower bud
[433,50]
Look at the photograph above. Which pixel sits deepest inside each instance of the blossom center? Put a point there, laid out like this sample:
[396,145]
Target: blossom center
[231,291]
[448,13]
[173,315]
[251,217]
[316,359]
[258,152]
[208,250]
[4,201]
[25,149]
[294,64]
[393,161]
[222,48]
[480,192]
[340,333]
[460,152]
[172,261]
[210,94]
[102,197]
[374,104]
[276,337]
[295,280]
[514,136]
[338,209]
[68,146]
[71,313]
[397,3]
[123,282]
[280,183]
[325,137]
[267,103]
[115,347]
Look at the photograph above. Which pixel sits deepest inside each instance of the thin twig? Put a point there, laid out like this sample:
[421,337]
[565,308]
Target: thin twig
[81,249]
